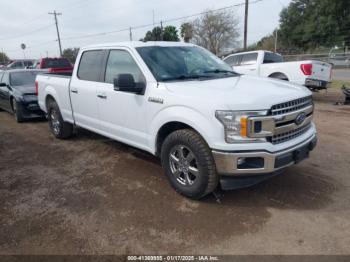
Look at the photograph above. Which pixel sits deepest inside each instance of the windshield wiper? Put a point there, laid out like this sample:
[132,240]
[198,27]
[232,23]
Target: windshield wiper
[185,77]
[218,71]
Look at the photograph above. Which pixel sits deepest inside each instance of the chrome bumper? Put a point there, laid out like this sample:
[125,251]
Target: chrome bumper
[262,162]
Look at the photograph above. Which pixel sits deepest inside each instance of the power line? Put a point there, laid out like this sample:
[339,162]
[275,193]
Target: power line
[157,23]
[29,33]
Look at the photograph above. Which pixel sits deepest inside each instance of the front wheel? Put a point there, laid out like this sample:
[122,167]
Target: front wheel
[59,128]
[17,111]
[189,164]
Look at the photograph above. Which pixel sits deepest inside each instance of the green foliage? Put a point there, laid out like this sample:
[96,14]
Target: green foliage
[187,32]
[71,54]
[310,24]
[3,58]
[169,33]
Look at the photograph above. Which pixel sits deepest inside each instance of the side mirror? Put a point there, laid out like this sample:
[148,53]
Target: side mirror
[3,84]
[126,83]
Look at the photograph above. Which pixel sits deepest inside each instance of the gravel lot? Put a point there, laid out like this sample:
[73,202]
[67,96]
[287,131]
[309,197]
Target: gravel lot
[91,195]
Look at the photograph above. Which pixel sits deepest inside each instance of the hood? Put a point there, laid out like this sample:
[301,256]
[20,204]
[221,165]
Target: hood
[24,90]
[239,93]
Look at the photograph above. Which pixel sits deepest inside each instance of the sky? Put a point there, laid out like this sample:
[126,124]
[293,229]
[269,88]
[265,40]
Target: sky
[28,21]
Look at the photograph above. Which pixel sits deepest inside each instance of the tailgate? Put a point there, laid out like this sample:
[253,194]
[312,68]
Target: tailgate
[321,71]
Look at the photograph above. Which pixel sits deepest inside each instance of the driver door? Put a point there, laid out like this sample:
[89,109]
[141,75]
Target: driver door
[122,114]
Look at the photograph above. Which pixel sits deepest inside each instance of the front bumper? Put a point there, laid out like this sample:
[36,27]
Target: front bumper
[247,163]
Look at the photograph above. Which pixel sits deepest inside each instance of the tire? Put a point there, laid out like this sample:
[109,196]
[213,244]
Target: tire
[17,111]
[59,128]
[192,173]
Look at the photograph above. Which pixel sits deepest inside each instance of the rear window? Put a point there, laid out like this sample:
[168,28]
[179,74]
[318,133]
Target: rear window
[249,59]
[56,63]
[90,65]
[23,78]
[272,58]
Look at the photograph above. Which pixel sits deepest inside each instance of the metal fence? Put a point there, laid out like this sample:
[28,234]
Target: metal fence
[340,60]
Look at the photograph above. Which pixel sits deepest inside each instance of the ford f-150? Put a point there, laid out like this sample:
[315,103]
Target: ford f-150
[209,125]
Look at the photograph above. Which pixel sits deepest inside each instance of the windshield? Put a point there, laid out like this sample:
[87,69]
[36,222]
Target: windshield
[183,63]
[23,78]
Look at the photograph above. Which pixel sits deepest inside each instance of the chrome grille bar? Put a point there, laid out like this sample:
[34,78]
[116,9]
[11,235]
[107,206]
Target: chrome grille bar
[283,137]
[291,106]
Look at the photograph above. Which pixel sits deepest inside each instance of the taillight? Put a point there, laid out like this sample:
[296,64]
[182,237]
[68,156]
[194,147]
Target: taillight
[36,88]
[307,69]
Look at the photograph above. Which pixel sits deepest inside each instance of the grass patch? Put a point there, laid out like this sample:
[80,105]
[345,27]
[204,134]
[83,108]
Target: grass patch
[339,84]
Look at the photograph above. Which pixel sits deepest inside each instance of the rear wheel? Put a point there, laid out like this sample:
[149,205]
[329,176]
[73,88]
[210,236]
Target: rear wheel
[17,111]
[59,128]
[188,164]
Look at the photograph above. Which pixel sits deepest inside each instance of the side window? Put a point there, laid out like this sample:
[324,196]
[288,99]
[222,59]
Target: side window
[5,78]
[1,74]
[233,60]
[90,65]
[121,62]
[249,59]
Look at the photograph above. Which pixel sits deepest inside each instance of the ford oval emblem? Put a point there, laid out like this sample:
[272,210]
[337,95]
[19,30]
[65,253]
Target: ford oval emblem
[300,119]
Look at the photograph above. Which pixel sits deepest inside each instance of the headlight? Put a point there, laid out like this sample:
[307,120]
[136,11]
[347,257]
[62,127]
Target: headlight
[236,125]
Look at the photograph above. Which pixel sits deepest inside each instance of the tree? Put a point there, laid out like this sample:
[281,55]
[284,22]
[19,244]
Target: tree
[187,32]
[216,31]
[3,58]
[169,34]
[311,24]
[71,54]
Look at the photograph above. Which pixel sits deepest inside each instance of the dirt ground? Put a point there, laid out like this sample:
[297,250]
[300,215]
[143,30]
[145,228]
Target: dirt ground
[91,195]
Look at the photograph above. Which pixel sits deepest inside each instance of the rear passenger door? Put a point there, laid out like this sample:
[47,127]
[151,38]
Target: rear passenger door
[83,89]
[122,114]
[248,64]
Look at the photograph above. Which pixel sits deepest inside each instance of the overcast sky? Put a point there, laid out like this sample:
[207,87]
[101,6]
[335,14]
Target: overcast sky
[29,22]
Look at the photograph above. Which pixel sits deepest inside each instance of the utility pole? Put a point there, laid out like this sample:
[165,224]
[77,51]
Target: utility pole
[276,40]
[246,24]
[130,34]
[161,30]
[55,14]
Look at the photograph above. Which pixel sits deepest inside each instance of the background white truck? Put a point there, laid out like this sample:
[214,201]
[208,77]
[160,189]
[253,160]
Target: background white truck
[182,103]
[313,74]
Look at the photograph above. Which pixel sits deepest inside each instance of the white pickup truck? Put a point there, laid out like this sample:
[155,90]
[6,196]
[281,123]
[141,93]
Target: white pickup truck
[313,74]
[208,124]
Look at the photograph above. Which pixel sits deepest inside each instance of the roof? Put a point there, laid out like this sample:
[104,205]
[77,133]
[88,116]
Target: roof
[135,44]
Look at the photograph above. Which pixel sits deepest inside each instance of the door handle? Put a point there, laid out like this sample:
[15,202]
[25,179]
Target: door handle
[102,96]
[75,91]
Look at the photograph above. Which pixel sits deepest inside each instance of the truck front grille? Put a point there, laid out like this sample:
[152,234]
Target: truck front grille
[291,106]
[284,137]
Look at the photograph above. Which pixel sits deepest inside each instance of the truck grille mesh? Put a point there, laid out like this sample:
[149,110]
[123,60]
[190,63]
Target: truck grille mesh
[291,106]
[284,137]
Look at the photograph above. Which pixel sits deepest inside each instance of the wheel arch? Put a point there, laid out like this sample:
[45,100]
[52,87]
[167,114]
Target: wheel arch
[176,118]
[279,75]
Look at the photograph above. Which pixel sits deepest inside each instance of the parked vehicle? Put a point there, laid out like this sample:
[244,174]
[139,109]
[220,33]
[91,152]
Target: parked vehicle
[339,60]
[55,65]
[20,64]
[18,94]
[180,102]
[313,74]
